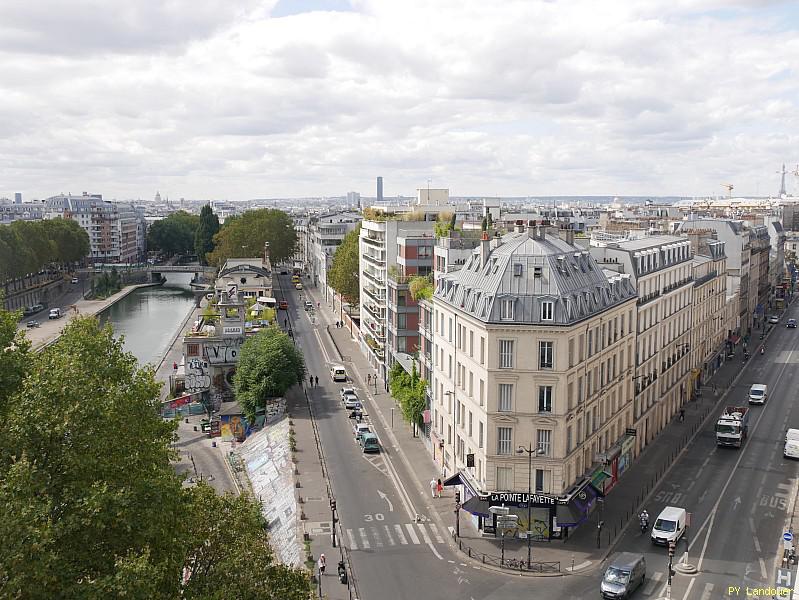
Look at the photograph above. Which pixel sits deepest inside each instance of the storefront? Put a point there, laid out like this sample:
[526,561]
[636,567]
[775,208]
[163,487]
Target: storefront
[627,453]
[471,501]
[574,508]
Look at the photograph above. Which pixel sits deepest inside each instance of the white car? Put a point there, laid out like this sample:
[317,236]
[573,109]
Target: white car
[359,429]
[352,402]
[348,391]
[774,319]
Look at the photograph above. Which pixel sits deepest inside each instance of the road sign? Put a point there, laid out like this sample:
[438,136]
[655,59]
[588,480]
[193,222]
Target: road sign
[787,536]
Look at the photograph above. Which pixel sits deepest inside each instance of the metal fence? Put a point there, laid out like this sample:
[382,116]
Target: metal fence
[511,564]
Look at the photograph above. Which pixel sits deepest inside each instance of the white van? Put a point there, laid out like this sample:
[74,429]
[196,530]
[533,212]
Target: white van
[338,373]
[55,313]
[791,449]
[669,526]
[758,393]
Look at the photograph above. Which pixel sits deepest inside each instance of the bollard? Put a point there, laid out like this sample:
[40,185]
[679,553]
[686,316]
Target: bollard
[484,559]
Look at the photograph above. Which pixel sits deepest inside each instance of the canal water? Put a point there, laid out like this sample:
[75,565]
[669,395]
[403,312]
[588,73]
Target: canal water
[149,318]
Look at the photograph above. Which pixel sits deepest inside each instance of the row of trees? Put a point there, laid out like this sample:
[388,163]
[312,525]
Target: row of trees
[29,246]
[409,391]
[92,506]
[343,275]
[269,364]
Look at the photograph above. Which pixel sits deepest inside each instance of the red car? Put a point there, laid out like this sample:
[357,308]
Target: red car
[283,305]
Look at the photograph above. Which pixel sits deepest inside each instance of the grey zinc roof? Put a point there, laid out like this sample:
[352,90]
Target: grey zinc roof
[528,271]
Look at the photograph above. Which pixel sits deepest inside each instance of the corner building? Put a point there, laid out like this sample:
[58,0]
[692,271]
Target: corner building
[533,348]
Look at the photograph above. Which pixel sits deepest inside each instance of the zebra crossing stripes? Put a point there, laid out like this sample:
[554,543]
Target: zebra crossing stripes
[707,592]
[381,536]
[655,586]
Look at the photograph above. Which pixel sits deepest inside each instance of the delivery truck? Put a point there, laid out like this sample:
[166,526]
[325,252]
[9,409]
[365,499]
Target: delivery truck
[732,426]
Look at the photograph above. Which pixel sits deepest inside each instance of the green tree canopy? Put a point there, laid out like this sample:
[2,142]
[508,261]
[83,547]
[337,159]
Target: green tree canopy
[206,230]
[269,364]
[91,504]
[410,391]
[28,246]
[174,234]
[243,236]
[15,350]
[343,275]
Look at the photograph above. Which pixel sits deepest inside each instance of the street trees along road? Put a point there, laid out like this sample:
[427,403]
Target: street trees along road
[92,507]
[174,234]
[269,364]
[409,390]
[29,246]
[14,349]
[343,275]
[206,230]
[243,236]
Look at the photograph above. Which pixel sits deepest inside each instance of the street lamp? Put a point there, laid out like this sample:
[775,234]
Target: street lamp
[333,514]
[537,451]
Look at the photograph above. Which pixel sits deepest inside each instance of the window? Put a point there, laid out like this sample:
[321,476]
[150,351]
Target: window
[471,343]
[471,384]
[517,269]
[506,310]
[541,481]
[402,321]
[480,434]
[504,478]
[547,311]
[482,350]
[505,354]
[504,442]
[568,439]
[471,422]
[192,349]
[544,441]
[505,403]
[545,351]
[544,398]
[449,338]
[482,391]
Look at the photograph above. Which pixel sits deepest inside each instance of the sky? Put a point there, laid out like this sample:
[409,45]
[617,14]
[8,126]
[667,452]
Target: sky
[240,99]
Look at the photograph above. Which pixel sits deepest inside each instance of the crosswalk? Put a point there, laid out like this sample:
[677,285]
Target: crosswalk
[382,536]
[656,581]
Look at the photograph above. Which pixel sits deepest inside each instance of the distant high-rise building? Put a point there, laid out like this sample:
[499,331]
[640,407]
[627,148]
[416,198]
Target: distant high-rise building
[379,189]
[354,199]
[18,198]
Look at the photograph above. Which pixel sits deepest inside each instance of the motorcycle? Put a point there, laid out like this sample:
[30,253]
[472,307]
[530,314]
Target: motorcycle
[762,350]
[644,525]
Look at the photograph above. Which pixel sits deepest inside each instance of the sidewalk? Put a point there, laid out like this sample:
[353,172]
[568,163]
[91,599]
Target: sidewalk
[580,550]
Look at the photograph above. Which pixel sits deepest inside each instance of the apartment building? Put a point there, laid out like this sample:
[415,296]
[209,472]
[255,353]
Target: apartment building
[324,234]
[660,268]
[533,349]
[11,211]
[378,248]
[709,329]
[112,227]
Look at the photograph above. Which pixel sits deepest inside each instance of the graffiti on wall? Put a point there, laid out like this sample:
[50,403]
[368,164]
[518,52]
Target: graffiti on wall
[198,375]
[226,352]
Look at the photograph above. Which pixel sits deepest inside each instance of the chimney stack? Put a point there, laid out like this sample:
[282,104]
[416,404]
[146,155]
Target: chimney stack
[266,260]
[519,226]
[567,234]
[485,248]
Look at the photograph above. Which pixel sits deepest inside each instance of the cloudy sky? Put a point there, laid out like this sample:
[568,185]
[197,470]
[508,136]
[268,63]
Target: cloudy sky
[272,98]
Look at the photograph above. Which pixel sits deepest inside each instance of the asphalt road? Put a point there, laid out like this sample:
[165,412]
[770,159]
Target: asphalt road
[738,498]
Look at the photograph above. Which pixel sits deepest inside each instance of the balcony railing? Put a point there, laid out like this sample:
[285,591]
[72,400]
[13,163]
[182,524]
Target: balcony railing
[376,278]
[375,259]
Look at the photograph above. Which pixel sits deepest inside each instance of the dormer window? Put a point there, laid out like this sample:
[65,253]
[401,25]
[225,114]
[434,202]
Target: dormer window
[547,311]
[538,272]
[506,309]
[517,269]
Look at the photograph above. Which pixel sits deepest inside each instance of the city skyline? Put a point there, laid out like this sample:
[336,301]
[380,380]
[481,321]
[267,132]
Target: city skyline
[305,99]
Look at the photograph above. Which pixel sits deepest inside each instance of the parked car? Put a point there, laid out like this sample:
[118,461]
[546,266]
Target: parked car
[283,305]
[74,280]
[351,402]
[32,324]
[791,324]
[308,305]
[55,313]
[347,391]
[32,310]
[774,319]
[297,286]
[284,271]
[338,373]
[360,429]
[369,443]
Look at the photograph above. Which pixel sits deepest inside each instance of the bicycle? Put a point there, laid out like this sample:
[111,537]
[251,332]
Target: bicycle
[514,563]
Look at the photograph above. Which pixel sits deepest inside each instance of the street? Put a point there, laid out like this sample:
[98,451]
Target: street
[738,499]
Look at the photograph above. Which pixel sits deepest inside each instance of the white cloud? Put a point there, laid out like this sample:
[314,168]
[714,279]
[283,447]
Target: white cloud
[217,99]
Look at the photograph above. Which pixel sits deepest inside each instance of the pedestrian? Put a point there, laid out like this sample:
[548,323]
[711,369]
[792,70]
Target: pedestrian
[682,415]
[369,379]
[285,323]
[439,487]
[322,564]
[316,381]
[318,304]
[433,487]
[175,366]
[310,379]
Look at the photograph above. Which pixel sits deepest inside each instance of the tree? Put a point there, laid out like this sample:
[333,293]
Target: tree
[91,484]
[174,234]
[484,224]
[243,236]
[206,230]
[229,553]
[15,350]
[343,274]
[269,364]
[421,287]
[410,392]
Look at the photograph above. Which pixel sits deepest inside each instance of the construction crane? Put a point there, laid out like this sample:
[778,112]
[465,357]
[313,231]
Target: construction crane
[729,187]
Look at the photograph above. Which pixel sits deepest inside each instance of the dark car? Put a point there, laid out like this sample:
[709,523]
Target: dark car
[791,323]
[283,305]
[32,324]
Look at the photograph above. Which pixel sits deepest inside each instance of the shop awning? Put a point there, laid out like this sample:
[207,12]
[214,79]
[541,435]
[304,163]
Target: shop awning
[453,480]
[579,504]
[598,477]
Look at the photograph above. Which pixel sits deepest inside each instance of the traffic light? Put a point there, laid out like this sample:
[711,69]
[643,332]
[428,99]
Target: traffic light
[671,549]
[457,497]
[333,505]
